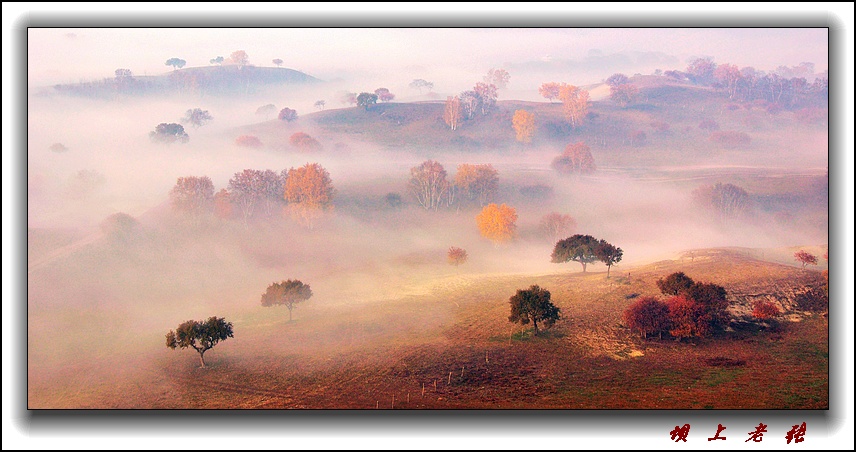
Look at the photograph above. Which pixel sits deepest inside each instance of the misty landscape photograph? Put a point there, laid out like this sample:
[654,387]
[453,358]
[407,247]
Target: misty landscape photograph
[427,218]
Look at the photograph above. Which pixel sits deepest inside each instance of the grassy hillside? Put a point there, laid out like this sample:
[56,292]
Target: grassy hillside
[450,334]
[668,123]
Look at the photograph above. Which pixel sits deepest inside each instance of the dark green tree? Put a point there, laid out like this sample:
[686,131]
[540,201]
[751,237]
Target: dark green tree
[608,254]
[169,133]
[675,283]
[578,248]
[366,100]
[201,336]
[533,305]
[197,117]
[287,293]
[176,63]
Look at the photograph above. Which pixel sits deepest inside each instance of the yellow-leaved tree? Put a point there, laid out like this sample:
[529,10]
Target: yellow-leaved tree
[524,125]
[497,223]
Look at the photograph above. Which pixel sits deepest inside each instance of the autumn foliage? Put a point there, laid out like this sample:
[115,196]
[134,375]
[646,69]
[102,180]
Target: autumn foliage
[687,317]
[428,184]
[248,141]
[574,103]
[452,112]
[304,142]
[764,309]
[309,186]
[524,125]
[456,256]
[286,293]
[648,316]
[805,258]
[497,222]
[549,91]
[576,158]
[478,183]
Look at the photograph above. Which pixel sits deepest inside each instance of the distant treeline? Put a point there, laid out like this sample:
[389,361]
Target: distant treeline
[201,80]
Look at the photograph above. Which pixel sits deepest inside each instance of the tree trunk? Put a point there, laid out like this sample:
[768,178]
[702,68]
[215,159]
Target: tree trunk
[584,266]
[607,271]
[289,313]
[202,357]
[535,323]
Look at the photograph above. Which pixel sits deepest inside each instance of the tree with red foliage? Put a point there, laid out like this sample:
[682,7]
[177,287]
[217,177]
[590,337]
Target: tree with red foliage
[456,256]
[304,142]
[687,318]
[384,95]
[764,309]
[223,205]
[248,141]
[805,258]
[576,158]
[648,316]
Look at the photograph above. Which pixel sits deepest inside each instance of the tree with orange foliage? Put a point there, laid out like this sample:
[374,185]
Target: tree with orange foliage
[478,183]
[550,91]
[577,158]
[574,103]
[524,125]
[239,58]
[497,222]
[309,190]
[456,256]
[304,142]
[452,113]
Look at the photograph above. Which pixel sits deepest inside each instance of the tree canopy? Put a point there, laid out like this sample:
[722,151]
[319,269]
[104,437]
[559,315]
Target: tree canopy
[366,100]
[497,223]
[578,248]
[169,133]
[199,335]
[533,305]
[286,293]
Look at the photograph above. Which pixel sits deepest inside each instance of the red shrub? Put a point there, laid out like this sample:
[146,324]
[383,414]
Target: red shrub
[647,316]
[248,141]
[304,142]
[687,317]
[764,309]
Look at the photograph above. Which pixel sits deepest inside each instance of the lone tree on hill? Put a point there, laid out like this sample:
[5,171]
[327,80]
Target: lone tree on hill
[805,258]
[277,62]
[366,100]
[287,114]
[420,83]
[176,63]
[533,305]
[287,293]
[608,254]
[648,316]
[201,336]
[578,248]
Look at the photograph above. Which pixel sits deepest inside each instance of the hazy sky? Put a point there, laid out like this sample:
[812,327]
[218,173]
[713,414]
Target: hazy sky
[54,56]
[68,55]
